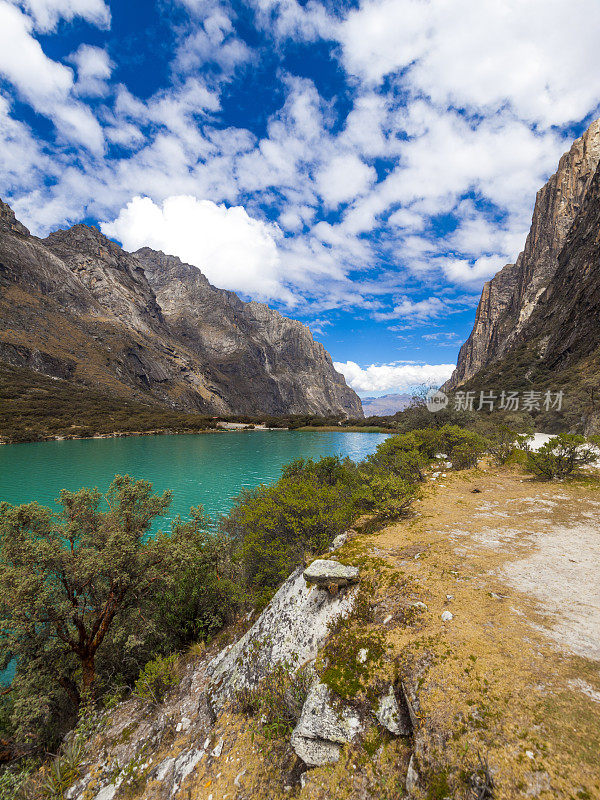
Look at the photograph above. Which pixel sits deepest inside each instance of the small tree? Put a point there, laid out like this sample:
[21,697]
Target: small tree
[560,456]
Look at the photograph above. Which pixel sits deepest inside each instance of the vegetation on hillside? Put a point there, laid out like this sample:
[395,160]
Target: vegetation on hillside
[35,407]
[93,605]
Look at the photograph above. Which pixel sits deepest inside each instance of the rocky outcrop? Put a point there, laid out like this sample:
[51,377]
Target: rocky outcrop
[289,631]
[322,727]
[149,327]
[509,300]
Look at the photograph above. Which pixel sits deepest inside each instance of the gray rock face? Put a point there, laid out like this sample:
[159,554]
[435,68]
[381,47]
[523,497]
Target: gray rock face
[289,631]
[147,326]
[390,715]
[325,572]
[322,728]
[510,298]
[253,355]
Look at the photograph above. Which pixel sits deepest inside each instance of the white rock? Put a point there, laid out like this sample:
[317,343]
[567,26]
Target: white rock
[290,630]
[218,749]
[324,572]
[447,616]
[419,605]
[107,793]
[321,729]
[362,655]
[412,776]
[339,541]
[387,619]
[389,715]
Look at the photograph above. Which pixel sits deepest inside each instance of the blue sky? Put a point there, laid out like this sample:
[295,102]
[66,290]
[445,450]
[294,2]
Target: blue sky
[363,167]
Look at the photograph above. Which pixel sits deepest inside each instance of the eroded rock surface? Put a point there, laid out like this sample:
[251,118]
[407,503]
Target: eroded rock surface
[326,572]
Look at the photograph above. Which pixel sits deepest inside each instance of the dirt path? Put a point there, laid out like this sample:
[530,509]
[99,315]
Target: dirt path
[515,672]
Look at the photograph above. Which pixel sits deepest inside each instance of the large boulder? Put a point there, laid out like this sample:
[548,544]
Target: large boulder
[289,631]
[326,572]
[323,727]
[392,716]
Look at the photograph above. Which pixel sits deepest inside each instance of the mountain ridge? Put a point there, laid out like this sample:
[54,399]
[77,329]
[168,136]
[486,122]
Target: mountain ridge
[509,300]
[75,305]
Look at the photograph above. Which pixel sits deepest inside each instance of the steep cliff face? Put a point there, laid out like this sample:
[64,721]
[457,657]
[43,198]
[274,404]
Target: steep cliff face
[75,305]
[254,355]
[510,298]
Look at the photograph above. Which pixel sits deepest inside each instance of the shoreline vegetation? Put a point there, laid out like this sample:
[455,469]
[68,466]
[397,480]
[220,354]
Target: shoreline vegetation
[37,408]
[92,567]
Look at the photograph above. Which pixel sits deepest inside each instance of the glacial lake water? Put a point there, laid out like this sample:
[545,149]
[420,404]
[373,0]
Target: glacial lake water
[208,469]
[205,469]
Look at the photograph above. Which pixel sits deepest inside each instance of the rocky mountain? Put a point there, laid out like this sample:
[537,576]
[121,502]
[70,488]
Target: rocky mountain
[540,296]
[143,325]
[386,405]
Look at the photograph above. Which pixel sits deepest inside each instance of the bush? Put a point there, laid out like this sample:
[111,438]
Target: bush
[390,495]
[401,456]
[157,678]
[560,456]
[273,527]
[502,444]
[276,701]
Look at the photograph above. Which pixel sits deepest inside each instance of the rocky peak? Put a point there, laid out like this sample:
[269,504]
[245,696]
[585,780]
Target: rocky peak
[115,277]
[8,221]
[509,299]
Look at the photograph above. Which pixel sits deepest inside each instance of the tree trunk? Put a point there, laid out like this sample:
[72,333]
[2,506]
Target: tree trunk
[89,677]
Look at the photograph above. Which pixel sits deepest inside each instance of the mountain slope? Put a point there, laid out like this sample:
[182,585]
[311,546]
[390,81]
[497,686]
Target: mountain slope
[76,306]
[508,301]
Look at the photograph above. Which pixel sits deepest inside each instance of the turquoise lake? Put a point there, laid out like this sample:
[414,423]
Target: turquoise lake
[206,469]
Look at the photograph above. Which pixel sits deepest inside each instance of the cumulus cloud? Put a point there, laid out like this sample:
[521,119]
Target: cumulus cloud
[527,54]
[393,377]
[344,178]
[231,248]
[47,13]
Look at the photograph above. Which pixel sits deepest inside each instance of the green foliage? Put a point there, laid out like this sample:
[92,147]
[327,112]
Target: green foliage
[272,527]
[560,456]
[88,597]
[502,444]
[403,456]
[157,678]
[390,495]
[276,702]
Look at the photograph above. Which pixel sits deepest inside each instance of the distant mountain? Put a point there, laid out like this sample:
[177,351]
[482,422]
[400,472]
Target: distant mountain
[386,405]
[145,326]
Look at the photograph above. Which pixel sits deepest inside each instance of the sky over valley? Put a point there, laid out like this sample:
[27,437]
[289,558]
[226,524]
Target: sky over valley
[363,167]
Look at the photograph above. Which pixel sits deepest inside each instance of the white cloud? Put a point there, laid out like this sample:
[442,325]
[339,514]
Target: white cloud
[94,68]
[344,178]
[43,83]
[419,310]
[527,54]
[393,377]
[233,250]
[46,13]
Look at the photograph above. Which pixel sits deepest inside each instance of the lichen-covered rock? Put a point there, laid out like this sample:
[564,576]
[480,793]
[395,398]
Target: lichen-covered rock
[391,716]
[326,572]
[339,541]
[289,631]
[412,777]
[323,727]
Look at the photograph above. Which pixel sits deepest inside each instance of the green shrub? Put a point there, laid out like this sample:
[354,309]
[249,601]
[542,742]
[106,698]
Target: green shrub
[560,456]
[276,702]
[273,527]
[401,456]
[502,444]
[390,495]
[157,678]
